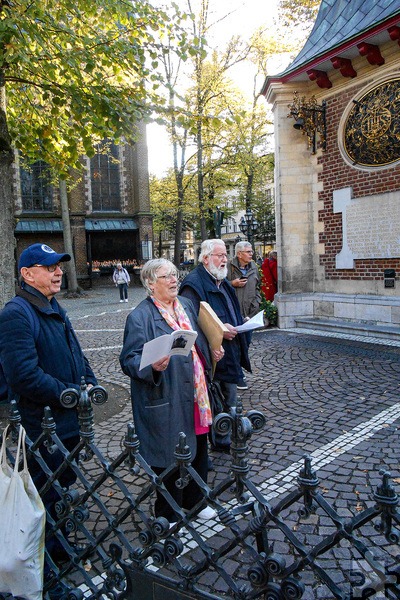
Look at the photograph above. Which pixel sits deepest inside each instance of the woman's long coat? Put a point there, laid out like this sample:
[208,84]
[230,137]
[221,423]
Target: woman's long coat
[162,402]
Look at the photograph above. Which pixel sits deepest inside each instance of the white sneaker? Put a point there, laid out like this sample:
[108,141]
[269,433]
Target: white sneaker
[121,300]
[126,300]
[207,513]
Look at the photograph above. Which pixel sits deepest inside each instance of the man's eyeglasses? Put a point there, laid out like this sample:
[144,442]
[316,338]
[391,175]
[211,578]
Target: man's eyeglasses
[51,268]
[220,256]
[168,277]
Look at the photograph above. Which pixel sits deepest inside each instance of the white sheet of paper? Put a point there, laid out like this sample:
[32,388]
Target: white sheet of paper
[178,342]
[254,323]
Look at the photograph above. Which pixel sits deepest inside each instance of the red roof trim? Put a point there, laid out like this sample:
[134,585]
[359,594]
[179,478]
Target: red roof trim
[338,50]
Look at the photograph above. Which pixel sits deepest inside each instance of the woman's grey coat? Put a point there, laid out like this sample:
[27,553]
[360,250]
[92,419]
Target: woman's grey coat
[162,402]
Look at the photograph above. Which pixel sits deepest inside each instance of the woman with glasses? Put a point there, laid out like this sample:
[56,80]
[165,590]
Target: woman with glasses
[170,395]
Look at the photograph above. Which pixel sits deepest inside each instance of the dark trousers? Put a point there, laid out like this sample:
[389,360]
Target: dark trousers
[191,494]
[229,391]
[123,291]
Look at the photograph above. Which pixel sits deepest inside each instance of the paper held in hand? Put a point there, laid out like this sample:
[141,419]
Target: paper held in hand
[254,323]
[212,326]
[178,342]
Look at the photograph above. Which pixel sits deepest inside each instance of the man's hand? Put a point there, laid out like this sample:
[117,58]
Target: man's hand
[231,333]
[238,283]
[218,354]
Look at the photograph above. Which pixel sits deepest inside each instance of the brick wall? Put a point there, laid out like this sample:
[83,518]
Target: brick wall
[337,174]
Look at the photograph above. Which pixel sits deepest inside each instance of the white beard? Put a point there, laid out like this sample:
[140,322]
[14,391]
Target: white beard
[219,273]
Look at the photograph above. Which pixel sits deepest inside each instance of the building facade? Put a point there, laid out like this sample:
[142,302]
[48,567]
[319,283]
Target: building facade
[337,173]
[109,209]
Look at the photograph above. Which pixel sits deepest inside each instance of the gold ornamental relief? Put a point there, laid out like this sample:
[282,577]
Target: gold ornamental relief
[372,128]
[376,124]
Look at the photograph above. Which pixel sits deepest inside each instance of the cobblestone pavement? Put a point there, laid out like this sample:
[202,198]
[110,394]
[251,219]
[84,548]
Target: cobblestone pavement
[334,398]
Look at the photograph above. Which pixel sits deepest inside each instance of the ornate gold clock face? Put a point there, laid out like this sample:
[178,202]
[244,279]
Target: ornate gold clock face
[371,132]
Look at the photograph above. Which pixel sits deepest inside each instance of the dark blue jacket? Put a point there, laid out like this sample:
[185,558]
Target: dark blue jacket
[199,286]
[39,372]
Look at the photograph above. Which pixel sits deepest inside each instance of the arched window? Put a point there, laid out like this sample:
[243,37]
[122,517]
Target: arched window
[105,178]
[36,187]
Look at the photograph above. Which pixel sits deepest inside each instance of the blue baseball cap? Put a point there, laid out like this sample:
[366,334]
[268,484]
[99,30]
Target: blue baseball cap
[40,254]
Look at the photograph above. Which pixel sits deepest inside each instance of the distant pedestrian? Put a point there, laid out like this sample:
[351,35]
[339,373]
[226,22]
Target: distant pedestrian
[121,279]
[269,268]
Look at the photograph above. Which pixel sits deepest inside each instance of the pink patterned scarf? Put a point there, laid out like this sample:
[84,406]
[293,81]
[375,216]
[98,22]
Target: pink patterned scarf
[200,386]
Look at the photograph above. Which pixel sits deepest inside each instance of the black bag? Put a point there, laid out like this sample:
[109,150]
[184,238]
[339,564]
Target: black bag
[217,400]
[218,441]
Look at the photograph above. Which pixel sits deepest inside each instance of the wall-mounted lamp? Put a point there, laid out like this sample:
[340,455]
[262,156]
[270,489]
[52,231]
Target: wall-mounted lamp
[310,118]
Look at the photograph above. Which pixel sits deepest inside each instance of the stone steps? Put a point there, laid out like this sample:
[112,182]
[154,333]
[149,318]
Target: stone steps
[389,332]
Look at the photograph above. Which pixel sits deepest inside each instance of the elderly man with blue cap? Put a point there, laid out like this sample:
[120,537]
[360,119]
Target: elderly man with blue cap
[39,365]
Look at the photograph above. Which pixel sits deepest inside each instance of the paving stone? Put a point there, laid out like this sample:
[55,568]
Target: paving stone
[313,390]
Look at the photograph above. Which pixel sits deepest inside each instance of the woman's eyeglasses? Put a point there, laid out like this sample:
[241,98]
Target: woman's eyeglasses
[168,277]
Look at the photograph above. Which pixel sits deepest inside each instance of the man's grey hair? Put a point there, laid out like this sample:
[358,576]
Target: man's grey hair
[207,248]
[242,246]
[148,273]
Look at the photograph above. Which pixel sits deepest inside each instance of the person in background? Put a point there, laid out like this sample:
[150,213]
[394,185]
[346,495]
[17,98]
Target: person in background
[207,282]
[244,276]
[169,396]
[121,279]
[38,369]
[269,268]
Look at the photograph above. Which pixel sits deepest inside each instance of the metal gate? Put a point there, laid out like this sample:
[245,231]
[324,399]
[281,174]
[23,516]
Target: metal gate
[255,548]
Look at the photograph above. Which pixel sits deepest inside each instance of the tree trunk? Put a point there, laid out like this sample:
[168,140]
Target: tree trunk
[70,266]
[200,181]
[7,255]
[160,244]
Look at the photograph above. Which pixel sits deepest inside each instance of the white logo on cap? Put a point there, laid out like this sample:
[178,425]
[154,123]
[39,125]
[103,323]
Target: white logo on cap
[47,249]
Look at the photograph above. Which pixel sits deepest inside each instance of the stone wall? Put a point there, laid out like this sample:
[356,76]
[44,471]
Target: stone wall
[313,281]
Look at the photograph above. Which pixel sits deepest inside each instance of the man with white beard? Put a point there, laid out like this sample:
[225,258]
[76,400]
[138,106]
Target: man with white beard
[207,282]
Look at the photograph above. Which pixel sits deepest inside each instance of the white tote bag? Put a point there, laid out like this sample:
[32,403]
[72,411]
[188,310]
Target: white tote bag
[22,527]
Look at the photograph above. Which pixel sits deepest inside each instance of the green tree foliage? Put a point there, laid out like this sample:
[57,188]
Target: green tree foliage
[71,74]
[220,137]
[74,72]
[167,208]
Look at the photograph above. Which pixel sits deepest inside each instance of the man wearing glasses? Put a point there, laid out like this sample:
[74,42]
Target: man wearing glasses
[207,282]
[39,365]
[244,276]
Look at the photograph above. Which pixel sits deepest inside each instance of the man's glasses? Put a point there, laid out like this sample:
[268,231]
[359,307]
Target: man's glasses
[220,256]
[51,268]
[168,277]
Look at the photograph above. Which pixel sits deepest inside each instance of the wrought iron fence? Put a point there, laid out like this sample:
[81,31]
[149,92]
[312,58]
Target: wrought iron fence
[299,546]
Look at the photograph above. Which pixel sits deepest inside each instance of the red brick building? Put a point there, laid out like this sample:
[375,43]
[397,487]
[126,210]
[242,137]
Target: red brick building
[337,135]
[109,209]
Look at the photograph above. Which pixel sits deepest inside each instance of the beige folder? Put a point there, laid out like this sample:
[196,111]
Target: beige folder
[212,327]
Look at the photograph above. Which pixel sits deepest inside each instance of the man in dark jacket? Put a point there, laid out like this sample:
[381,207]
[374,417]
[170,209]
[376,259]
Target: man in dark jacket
[207,282]
[38,369]
[244,277]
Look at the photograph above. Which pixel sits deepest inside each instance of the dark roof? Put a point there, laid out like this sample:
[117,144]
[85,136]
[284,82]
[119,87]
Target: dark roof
[39,225]
[339,26]
[110,225]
